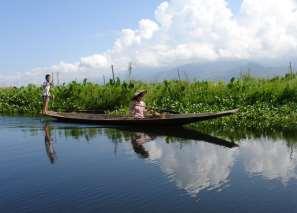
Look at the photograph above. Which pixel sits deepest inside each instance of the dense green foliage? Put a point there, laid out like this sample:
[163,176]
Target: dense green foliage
[263,103]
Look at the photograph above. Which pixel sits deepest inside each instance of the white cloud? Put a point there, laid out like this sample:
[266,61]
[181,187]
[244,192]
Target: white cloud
[186,31]
[95,61]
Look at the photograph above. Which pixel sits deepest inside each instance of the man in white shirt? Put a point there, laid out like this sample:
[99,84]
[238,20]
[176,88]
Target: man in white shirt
[46,92]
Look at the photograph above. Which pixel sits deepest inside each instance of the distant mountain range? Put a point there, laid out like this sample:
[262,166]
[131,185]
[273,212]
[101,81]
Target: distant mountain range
[218,70]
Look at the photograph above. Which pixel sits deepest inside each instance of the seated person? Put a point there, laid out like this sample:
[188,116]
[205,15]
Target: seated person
[137,108]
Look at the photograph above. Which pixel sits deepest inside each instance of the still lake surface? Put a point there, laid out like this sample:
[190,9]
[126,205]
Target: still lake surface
[56,167]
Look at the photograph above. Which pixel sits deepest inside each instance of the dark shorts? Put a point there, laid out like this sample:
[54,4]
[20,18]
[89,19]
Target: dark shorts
[45,98]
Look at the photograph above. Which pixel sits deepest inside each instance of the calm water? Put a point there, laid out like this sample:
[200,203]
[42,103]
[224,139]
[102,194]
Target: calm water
[55,167]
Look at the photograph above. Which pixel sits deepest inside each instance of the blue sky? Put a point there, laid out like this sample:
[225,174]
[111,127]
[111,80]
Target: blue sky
[37,33]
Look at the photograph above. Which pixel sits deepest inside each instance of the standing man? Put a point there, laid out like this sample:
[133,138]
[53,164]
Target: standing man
[46,95]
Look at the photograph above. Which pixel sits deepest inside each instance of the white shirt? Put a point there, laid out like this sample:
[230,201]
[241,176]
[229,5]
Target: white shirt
[46,88]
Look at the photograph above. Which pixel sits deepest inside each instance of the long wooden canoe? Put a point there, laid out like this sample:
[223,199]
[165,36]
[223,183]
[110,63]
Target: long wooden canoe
[109,120]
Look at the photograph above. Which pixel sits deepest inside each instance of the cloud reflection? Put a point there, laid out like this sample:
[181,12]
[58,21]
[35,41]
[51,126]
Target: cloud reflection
[194,166]
[197,166]
[270,159]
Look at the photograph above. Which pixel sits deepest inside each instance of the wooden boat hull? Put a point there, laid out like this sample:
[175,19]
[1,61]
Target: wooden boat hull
[108,120]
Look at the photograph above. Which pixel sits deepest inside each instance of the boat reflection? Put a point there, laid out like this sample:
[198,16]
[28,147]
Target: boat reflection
[122,134]
[49,146]
[183,134]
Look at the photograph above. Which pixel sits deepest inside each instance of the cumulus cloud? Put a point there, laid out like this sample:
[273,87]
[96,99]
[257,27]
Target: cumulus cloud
[188,31]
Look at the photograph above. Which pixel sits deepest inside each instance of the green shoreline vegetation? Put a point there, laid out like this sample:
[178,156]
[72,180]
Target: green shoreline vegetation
[268,104]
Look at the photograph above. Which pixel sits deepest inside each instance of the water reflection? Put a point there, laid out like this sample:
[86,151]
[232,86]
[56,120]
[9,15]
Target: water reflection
[193,165]
[271,160]
[196,166]
[186,159]
[194,161]
[195,172]
[138,140]
[181,135]
[49,144]
[199,166]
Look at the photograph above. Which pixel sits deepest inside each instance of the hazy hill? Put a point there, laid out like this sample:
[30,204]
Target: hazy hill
[218,70]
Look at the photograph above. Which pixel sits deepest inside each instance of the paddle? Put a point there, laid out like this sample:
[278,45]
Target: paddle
[52,97]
